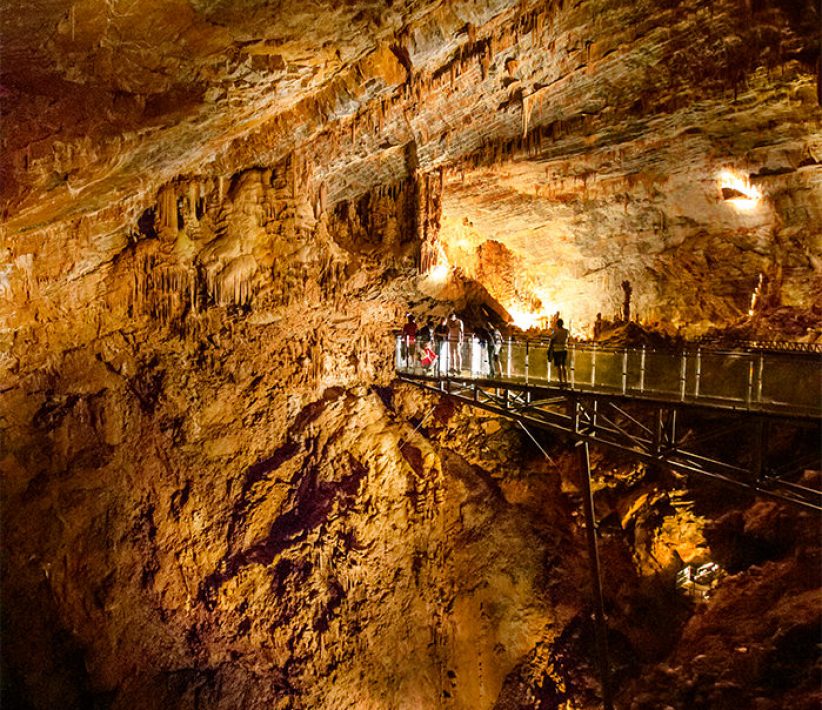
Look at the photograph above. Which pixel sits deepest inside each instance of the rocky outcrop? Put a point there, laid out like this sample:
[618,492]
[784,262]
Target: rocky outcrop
[214,214]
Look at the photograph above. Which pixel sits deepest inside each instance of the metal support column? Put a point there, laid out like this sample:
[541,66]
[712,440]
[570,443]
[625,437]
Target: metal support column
[527,354]
[596,577]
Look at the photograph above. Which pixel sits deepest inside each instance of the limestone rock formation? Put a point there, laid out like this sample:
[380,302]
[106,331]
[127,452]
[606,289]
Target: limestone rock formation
[214,492]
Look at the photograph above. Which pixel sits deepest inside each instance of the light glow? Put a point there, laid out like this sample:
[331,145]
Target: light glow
[441,269]
[738,191]
[527,319]
[439,273]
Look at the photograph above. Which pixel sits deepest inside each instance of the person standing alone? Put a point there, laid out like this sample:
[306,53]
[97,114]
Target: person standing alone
[558,351]
[494,350]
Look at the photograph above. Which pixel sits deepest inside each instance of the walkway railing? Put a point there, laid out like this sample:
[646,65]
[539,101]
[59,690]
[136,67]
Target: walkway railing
[756,380]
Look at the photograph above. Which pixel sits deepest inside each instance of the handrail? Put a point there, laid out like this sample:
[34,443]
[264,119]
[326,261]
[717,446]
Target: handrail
[714,346]
[748,380]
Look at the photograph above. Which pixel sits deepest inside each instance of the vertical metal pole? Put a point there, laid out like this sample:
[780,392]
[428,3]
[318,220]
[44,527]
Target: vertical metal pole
[759,374]
[594,366]
[625,371]
[672,429]
[596,577]
[658,433]
[571,356]
[527,352]
[508,359]
[750,381]
[698,372]
[682,370]
[642,371]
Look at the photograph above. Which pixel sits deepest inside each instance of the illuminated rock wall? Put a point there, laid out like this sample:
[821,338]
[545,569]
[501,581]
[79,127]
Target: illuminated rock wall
[213,216]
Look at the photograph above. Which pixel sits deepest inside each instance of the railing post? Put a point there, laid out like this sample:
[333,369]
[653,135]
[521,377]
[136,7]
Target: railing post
[594,367]
[642,371]
[759,375]
[508,359]
[625,371]
[698,372]
[750,381]
[527,353]
[572,358]
[682,371]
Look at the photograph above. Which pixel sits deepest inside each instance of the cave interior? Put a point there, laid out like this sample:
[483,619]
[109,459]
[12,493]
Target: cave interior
[216,217]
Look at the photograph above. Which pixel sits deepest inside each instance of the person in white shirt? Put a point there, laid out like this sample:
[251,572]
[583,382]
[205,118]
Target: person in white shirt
[456,330]
[494,349]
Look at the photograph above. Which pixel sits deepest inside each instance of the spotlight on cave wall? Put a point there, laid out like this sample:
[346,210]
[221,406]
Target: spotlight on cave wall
[437,268]
[698,581]
[738,192]
[526,319]
[439,273]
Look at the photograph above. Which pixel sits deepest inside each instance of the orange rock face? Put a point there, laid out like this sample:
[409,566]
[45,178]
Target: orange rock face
[215,213]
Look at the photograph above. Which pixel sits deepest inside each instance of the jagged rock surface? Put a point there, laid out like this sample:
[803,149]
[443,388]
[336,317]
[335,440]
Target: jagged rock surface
[214,213]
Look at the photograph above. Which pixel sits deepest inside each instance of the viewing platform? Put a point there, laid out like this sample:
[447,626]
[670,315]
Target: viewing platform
[759,378]
[668,408]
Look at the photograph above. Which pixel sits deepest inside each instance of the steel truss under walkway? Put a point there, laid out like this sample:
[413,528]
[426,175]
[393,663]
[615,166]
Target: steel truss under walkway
[666,434]
[659,430]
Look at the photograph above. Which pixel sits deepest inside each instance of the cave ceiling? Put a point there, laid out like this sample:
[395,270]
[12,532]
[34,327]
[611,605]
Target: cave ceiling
[215,492]
[578,135]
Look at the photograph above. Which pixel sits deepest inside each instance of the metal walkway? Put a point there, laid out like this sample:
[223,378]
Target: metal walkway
[667,409]
[664,408]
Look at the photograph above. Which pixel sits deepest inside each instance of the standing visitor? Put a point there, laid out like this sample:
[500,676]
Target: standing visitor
[558,350]
[598,326]
[409,337]
[483,336]
[425,334]
[494,350]
[440,338]
[456,330]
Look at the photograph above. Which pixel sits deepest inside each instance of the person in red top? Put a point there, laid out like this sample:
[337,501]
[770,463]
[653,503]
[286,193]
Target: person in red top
[409,337]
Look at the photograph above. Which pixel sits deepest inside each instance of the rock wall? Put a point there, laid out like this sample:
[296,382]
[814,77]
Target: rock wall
[213,495]
[207,503]
[221,503]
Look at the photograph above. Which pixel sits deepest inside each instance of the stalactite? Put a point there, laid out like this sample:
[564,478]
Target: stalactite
[167,210]
[527,105]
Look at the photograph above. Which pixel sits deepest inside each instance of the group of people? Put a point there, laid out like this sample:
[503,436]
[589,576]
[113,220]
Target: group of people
[426,345]
[430,345]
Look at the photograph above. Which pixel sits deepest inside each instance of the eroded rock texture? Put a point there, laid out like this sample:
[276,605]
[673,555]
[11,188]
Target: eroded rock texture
[215,213]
